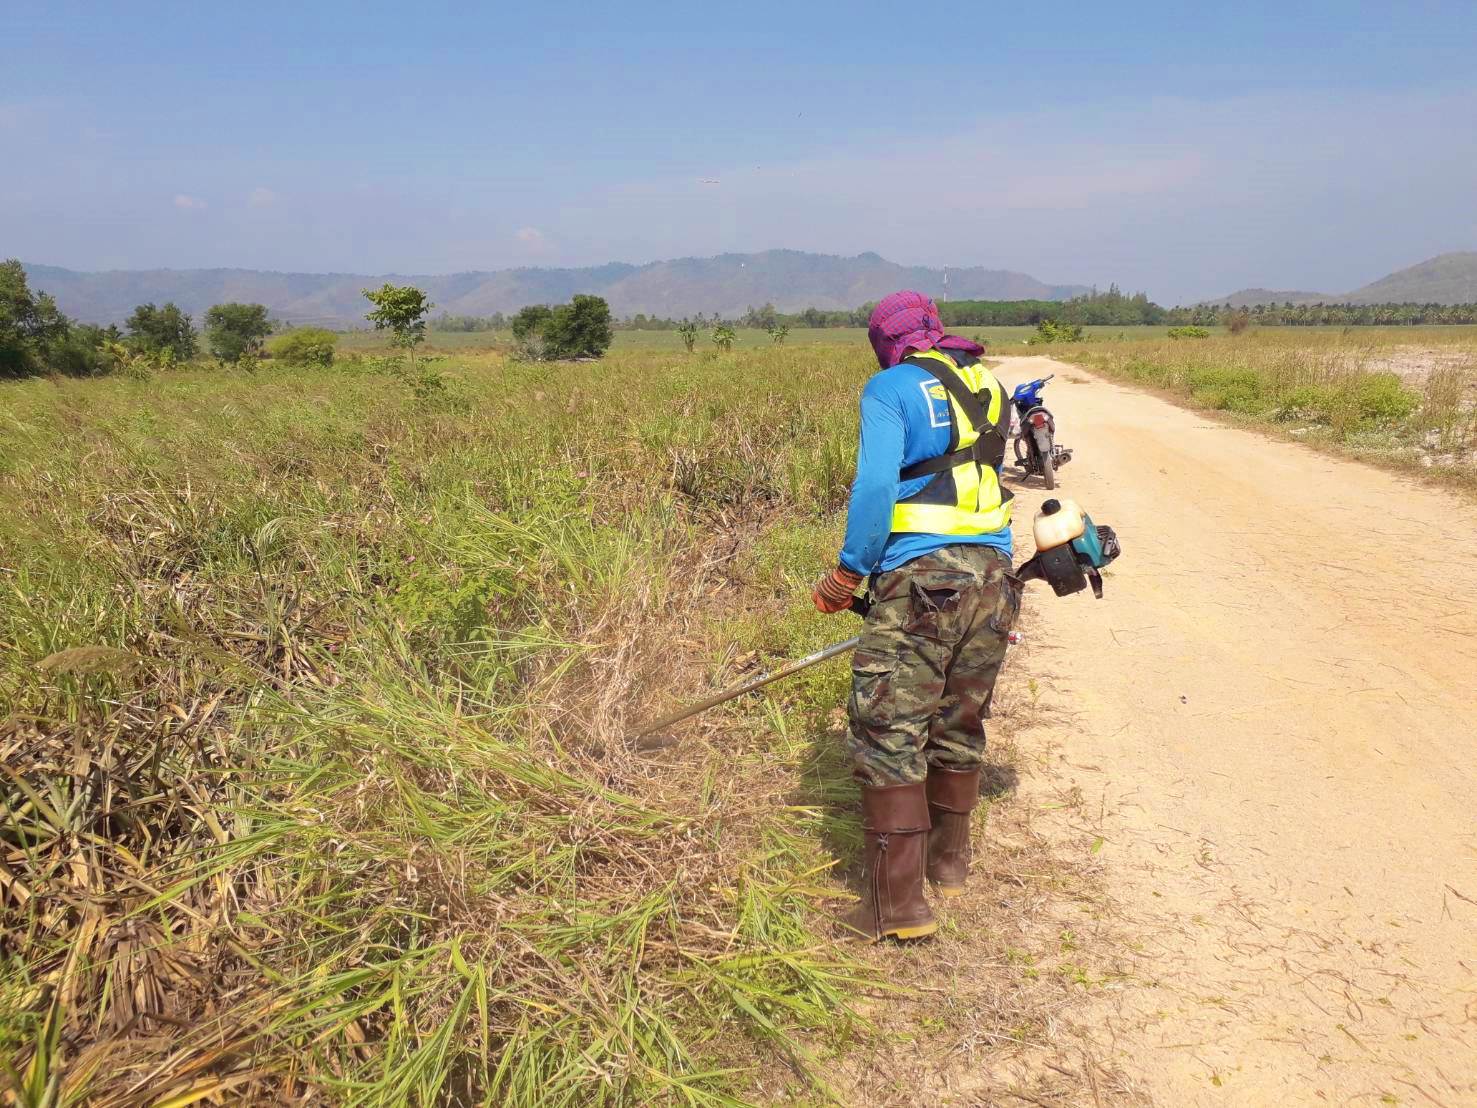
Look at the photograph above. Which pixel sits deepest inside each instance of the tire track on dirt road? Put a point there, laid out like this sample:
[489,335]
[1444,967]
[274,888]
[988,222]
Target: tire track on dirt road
[1274,713]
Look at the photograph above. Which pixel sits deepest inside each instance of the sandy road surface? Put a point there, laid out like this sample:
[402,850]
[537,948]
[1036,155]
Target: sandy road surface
[1273,719]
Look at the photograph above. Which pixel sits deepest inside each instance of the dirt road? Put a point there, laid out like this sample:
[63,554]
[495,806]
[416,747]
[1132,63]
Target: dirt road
[1273,719]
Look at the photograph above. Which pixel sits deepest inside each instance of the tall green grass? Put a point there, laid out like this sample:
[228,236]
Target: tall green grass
[314,687]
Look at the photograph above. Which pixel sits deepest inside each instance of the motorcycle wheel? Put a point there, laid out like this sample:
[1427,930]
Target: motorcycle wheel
[1048,469]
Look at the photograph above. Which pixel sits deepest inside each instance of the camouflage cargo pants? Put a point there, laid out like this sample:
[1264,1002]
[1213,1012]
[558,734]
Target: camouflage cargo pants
[925,670]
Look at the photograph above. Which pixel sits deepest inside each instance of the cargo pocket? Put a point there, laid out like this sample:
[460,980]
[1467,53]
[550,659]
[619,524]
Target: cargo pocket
[936,602]
[1008,610]
[871,688]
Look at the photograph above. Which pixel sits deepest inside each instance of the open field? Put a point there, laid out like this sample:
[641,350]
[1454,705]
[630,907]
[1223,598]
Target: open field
[314,690]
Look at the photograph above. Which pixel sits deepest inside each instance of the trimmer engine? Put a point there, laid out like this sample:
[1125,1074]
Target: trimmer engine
[1070,566]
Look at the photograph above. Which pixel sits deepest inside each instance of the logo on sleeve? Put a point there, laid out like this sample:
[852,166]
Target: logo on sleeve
[937,398]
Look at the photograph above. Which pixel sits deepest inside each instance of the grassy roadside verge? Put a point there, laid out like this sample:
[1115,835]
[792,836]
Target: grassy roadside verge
[315,688]
[1405,398]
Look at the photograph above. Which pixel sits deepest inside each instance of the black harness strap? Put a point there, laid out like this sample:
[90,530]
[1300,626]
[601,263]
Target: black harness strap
[974,453]
[983,450]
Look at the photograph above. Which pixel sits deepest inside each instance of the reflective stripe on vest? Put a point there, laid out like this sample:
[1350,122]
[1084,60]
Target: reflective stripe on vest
[965,499]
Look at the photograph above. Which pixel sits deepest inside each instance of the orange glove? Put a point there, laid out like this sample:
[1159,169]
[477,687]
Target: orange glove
[833,592]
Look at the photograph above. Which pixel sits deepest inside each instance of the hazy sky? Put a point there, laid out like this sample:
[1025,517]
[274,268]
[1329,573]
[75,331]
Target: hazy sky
[1184,149]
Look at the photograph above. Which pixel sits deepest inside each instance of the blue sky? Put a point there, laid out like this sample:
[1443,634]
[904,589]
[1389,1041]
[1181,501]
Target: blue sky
[1184,151]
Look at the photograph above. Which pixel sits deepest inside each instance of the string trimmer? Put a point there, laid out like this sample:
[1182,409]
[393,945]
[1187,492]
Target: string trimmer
[859,605]
[1070,550]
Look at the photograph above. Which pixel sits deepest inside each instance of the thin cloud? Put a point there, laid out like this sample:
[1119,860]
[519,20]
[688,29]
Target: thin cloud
[261,197]
[530,236]
[188,203]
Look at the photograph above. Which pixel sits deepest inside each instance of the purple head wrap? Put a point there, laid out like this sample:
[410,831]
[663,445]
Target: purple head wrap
[908,322]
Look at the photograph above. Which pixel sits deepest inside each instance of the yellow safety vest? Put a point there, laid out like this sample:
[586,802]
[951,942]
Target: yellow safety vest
[965,496]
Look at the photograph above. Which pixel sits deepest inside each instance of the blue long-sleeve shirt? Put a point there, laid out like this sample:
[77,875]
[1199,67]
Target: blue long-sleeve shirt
[902,423]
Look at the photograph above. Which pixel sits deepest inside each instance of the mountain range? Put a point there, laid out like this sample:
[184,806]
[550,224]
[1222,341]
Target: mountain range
[1444,279]
[726,286]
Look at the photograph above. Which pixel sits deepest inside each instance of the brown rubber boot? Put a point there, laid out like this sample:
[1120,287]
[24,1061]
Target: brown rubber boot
[895,823]
[952,795]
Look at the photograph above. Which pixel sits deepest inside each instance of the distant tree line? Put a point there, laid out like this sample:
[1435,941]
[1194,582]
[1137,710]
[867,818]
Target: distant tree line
[469,323]
[1329,315]
[36,337]
[1113,308]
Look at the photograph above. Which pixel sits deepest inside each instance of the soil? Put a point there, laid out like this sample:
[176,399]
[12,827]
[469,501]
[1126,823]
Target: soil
[1269,724]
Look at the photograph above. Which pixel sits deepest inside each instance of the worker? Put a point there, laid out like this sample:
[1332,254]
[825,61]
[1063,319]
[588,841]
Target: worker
[929,524]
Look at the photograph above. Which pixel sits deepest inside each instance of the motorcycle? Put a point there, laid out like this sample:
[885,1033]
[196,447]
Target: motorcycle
[1036,451]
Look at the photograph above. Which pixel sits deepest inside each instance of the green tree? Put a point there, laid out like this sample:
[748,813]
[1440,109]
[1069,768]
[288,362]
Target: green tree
[401,310]
[235,331]
[304,346]
[79,351]
[724,336]
[31,326]
[165,331]
[528,330]
[579,329]
[688,330]
[530,321]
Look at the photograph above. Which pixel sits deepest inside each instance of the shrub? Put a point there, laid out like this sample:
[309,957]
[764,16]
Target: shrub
[1050,331]
[1238,321]
[1382,398]
[79,352]
[1308,404]
[1226,389]
[304,346]
[724,337]
[688,330]
[1189,333]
